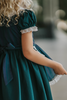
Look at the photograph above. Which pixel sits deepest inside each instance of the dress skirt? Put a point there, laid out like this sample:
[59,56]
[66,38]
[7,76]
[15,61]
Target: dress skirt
[24,79]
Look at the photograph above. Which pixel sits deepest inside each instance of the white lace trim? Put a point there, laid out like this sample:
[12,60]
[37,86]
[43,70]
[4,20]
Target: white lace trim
[56,78]
[34,28]
[35,48]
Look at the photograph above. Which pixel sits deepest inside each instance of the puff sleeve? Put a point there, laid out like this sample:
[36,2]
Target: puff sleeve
[27,22]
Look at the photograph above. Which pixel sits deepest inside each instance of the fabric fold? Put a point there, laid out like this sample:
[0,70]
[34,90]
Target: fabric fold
[52,77]
[7,72]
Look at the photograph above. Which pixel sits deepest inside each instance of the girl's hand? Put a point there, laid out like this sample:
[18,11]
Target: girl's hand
[58,69]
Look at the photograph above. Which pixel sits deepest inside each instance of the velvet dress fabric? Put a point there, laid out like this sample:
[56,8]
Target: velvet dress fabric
[20,78]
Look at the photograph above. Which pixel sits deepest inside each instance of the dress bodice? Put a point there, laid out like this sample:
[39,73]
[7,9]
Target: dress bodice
[12,34]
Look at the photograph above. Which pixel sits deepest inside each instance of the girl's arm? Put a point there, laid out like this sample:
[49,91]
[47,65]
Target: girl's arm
[35,56]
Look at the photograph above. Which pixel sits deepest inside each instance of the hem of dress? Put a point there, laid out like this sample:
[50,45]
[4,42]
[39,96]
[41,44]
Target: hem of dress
[55,79]
[34,28]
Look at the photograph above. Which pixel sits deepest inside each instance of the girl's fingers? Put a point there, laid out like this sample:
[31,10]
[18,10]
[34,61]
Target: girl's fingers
[65,73]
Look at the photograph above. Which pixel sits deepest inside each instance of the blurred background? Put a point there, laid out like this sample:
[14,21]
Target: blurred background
[52,37]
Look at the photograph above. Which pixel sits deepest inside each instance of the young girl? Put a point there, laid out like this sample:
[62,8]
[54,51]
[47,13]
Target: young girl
[25,69]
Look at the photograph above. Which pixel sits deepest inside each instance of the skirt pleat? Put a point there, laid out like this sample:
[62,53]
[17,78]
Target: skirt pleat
[30,81]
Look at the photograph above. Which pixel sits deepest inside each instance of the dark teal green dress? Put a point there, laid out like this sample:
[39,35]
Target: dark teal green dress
[20,78]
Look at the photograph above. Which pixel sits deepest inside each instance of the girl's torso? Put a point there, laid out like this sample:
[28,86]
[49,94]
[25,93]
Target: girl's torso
[10,35]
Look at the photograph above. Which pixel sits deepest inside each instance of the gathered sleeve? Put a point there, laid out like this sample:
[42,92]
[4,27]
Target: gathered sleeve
[27,22]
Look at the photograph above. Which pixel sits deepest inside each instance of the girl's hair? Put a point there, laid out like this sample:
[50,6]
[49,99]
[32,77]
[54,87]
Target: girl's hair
[8,8]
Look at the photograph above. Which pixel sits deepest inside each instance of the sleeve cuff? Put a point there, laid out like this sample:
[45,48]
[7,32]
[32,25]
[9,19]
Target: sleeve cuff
[34,28]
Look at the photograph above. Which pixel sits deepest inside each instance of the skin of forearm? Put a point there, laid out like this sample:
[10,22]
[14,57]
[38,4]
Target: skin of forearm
[39,58]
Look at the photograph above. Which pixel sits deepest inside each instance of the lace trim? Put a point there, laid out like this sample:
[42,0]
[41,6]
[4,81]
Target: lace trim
[35,48]
[56,78]
[29,29]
